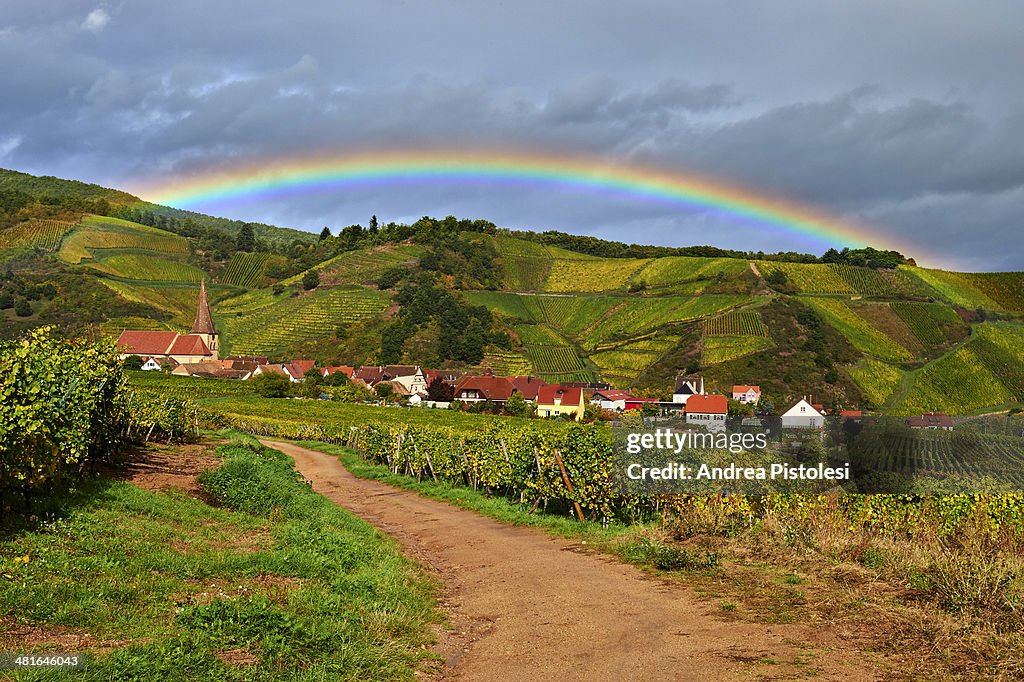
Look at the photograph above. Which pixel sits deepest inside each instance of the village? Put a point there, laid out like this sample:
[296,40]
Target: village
[197,355]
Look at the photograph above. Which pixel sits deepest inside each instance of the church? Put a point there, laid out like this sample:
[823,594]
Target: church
[200,345]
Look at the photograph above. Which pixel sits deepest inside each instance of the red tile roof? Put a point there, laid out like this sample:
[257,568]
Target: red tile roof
[935,420]
[744,389]
[850,414]
[528,387]
[490,387]
[566,396]
[189,345]
[146,343]
[370,375]
[613,395]
[344,369]
[707,404]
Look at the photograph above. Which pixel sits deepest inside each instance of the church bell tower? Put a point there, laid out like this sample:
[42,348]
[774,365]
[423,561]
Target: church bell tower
[203,326]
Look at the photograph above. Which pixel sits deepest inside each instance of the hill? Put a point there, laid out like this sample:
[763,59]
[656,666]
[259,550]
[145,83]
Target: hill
[465,293]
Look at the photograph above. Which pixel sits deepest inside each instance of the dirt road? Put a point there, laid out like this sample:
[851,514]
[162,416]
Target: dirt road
[526,606]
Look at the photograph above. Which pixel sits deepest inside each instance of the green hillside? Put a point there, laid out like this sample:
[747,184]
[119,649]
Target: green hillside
[892,336]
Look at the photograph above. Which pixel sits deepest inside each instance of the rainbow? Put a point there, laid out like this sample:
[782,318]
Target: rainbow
[283,176]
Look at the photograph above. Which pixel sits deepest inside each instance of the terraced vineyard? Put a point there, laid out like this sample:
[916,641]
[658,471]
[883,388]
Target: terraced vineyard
[675,272]
[736,323]
[291,319]
[592,274]
[179,301]
[364,266]
[986,371]
[507,363]
[145,267]
[525,264]
[245,269]
[956,287]
[881,317]
[36,234]
[623,364]
[717,349]
[876,379]
[855,328]
[100,232]
[809,278]
[931,323]
[554,360]
[539,335]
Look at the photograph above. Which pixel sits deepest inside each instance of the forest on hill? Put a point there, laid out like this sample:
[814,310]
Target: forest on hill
[860,328]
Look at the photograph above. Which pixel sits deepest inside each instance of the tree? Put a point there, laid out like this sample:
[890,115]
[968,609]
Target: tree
[517,406]
[383,390]
[133,362]
[439,391]
[272,385]
[6,301]
[325,233]
[22,308]
[373,224]
[246,240]
[310,280]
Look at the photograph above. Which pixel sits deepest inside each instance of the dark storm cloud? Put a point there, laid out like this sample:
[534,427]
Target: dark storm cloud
[906,114]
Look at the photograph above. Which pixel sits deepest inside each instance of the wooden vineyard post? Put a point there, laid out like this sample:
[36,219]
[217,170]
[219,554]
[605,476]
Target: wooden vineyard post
[568,484]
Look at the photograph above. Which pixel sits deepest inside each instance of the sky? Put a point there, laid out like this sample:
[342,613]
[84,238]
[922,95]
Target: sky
[904,115]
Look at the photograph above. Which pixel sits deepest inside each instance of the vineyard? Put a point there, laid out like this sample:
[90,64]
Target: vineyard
[245,269]
[936,452]
[96,232]
[987,370]
[291,319]
[676,271]
[809,278]
[858,331]
[882,318]
[736,323]
[507,363]
[525,264]
[592,274]
[718,349]
[364,266]
[929,322]
[554,360]
[145,267]
[876,379]
[179,301]
[36,234]
[957,288]
[66,407]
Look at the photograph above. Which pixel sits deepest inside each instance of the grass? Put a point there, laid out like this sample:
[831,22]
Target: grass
[275,583]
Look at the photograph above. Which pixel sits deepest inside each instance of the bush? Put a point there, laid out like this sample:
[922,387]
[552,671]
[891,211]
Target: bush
[22,308]
[6,301]
[311,280]
[133,362]
[272,385]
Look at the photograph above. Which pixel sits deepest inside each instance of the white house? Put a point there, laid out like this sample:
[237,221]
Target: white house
[803,415]
[685,388]
[749,395]
[709,411]
[151,364]
[610,399]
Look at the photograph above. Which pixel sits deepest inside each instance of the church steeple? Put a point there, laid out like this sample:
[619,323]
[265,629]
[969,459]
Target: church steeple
[203,325]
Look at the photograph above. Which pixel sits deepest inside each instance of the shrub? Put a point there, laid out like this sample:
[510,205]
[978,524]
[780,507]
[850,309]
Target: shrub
[310,280]
[22,308]
[271,385]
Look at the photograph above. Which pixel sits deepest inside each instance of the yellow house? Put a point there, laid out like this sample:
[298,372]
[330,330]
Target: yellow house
[554,400]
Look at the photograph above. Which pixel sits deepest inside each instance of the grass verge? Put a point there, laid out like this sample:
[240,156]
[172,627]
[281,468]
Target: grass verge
[276,583]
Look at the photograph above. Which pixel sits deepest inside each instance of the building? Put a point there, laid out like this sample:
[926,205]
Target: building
[528,387]
[478,388]
[685,388]
[611,399]
[931,420]
[803,415]
[553,400]
[334,369]
[748,395]
[709,411]
[411,377]
[201,345]
[203,325]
